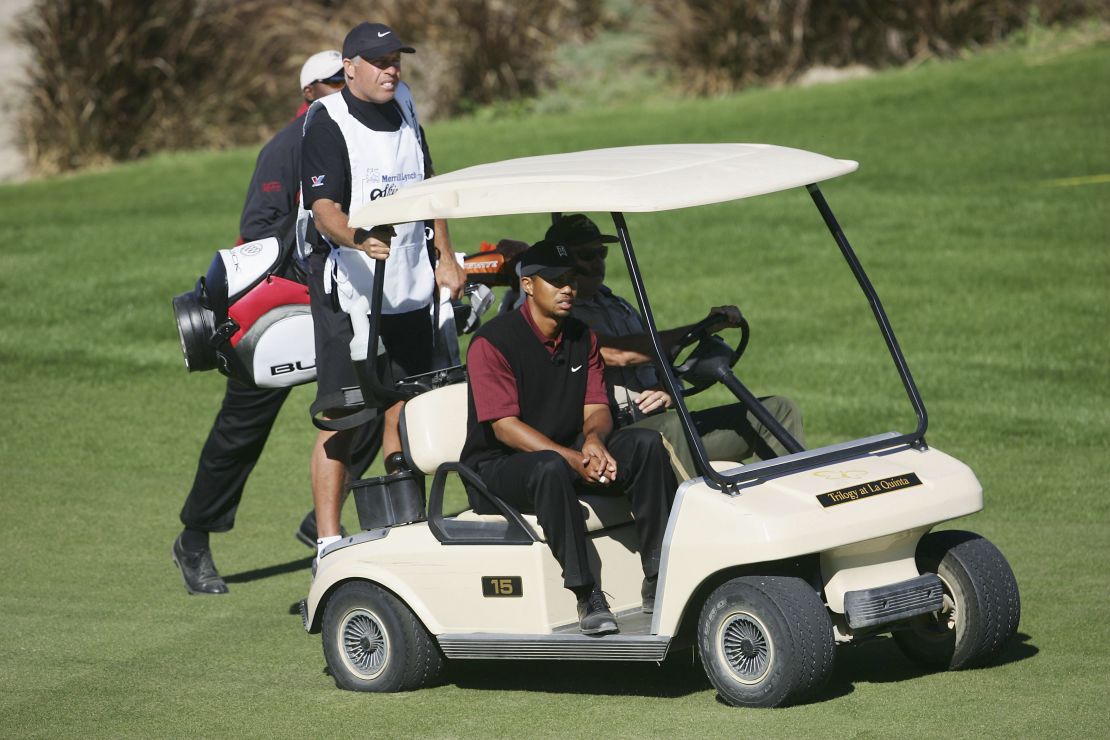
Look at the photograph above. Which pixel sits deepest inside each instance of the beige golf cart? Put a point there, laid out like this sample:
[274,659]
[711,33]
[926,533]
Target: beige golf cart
[766,566]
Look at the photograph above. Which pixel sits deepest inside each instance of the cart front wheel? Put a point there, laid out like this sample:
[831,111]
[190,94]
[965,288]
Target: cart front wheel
[372,642]
[765,641]
[981,609]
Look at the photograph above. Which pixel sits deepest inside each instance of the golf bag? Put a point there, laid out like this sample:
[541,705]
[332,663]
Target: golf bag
[249,317]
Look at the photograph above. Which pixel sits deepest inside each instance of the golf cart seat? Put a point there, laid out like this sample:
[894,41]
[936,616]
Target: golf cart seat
[601,512]
[433,427]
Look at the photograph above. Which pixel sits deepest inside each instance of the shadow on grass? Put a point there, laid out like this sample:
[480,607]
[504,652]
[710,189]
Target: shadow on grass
[1018,649]
[270,571]
[875,661]
[679,675]
[880,661]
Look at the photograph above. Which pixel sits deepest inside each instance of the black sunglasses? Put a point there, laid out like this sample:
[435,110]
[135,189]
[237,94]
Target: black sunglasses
[385,62]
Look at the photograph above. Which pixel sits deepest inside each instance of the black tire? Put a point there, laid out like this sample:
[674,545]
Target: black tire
[982,606]
[765,641]
[373,642]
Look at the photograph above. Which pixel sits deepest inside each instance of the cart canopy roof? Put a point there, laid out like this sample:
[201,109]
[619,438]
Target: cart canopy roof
[627,179]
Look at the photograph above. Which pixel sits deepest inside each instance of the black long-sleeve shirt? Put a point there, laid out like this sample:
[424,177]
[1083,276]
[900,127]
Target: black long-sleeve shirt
[273,190]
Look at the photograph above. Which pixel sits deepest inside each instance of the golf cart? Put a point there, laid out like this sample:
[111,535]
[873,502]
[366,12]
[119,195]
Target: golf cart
[766,566]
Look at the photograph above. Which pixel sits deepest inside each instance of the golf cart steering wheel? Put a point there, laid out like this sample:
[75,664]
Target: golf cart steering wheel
[712,356]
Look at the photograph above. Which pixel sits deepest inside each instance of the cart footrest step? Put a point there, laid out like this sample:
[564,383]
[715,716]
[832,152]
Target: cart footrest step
[895,602]
[553,647]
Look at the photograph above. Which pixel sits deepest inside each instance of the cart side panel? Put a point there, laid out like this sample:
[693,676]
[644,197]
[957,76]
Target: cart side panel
[806,513]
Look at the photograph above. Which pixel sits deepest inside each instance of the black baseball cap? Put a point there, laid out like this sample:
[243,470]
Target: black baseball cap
[576,229]
[547,259]
[372,40]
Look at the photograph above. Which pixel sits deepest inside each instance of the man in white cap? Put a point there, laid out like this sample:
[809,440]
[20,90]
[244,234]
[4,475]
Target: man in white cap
[247,414]
[272,194]
[363,144]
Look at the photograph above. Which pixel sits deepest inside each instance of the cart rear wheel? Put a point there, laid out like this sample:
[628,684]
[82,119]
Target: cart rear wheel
[372,642]
[765,641]
[982,606]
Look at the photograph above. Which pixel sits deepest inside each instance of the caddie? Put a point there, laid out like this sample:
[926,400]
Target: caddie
[363,144]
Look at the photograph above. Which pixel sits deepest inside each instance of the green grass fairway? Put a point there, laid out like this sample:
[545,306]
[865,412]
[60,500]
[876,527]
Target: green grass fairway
[980,211]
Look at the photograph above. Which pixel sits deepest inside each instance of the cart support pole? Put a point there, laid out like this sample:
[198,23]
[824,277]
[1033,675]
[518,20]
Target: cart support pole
[877,309]
[712,477]
[756,408]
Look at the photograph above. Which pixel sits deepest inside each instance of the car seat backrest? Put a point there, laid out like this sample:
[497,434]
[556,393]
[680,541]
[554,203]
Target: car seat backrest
[433,427]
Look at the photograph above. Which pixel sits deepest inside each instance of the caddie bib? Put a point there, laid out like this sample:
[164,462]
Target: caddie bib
[382,162]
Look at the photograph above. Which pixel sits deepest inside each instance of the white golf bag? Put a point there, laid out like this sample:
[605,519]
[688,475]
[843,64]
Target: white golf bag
[249,318]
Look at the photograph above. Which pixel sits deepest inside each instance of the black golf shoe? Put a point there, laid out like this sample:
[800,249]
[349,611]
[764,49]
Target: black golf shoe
[594,617]
[197,570]
[306,533]
[647,594]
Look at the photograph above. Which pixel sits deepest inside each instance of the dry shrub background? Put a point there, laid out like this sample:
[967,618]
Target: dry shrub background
[114,79]
[719,46]
[475,52]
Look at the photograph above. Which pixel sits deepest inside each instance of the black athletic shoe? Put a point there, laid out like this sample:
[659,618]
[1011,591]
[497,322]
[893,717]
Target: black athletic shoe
[306,533]
[197,570]
[647,593]
[594,617]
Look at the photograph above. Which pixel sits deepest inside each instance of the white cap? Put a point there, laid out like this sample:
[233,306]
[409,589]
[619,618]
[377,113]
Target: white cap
[321,66]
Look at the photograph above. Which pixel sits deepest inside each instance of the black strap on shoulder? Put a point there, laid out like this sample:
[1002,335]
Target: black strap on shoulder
[286,232]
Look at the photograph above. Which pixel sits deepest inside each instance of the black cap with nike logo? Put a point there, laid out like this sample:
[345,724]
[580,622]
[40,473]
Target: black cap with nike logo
[372,40]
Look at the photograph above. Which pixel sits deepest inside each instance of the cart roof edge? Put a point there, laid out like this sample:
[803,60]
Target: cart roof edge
[656,177]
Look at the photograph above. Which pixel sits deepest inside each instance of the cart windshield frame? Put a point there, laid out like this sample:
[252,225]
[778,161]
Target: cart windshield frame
[660,178]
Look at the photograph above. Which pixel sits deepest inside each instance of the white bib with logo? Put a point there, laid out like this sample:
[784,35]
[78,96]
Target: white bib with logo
[382,162]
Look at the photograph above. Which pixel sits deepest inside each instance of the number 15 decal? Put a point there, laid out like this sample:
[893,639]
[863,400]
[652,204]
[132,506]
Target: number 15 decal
[493,586]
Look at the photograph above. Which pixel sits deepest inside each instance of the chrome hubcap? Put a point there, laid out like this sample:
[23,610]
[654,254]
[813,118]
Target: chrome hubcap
[364,642]
[746,650]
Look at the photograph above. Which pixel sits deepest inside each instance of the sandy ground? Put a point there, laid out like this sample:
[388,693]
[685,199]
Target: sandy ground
[12,69]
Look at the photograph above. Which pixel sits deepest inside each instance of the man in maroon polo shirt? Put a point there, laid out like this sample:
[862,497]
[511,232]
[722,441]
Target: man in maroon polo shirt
[540,431]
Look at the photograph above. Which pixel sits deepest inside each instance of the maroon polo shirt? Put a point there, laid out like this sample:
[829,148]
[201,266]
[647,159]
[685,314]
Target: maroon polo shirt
[494,385]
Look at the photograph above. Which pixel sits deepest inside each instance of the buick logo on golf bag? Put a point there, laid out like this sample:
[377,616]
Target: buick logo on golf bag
[290,367]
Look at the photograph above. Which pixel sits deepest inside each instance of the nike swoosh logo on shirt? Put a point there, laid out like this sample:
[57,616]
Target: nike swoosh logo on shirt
[576,369]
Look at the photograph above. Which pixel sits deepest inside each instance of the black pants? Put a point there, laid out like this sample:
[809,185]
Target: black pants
[543,482]
[234,446]
[408,339]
